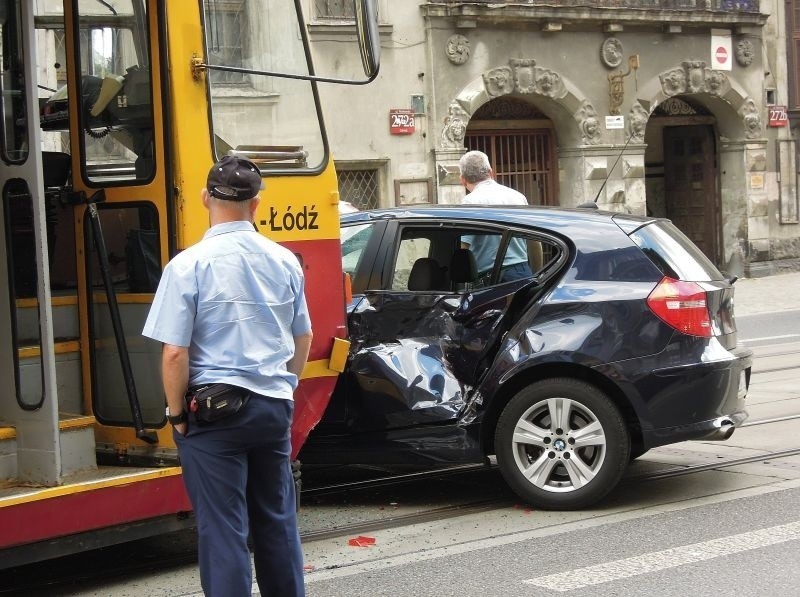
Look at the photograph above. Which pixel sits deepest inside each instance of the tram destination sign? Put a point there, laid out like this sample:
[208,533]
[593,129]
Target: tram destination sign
[401,121]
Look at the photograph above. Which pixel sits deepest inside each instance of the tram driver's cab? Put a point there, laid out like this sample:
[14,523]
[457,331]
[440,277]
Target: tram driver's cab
[115,105]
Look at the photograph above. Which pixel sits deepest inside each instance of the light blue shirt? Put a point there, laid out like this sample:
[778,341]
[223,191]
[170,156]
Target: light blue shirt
[484,247]
[236,300]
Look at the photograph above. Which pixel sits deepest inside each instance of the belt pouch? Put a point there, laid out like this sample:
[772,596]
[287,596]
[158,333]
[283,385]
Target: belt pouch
[215,401]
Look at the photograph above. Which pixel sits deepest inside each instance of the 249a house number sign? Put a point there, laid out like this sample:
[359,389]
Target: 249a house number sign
[401,121]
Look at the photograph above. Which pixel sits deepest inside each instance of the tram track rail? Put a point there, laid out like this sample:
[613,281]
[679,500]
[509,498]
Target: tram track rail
[44,579]
[66,581]
[402,478]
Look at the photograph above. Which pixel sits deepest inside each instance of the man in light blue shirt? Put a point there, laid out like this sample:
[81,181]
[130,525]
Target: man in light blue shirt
[231,309]
[478,179]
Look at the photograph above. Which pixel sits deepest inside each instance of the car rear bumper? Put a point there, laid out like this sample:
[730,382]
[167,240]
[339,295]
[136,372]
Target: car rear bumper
[700,401]
[717,429]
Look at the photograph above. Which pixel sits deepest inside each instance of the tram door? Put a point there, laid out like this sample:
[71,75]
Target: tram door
[28,404]
[118,174]
[103,136]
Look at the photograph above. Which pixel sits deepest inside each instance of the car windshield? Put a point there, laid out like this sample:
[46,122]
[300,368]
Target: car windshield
[354,239]
[674,254]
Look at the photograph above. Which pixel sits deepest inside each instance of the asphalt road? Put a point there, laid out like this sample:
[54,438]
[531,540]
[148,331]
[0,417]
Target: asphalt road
[732,531]
[769,328]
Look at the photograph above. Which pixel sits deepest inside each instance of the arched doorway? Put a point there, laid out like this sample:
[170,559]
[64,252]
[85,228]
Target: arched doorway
[520,144]
[682,171]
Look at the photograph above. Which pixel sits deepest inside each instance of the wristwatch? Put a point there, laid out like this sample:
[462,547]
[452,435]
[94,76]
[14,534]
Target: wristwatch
[177,419]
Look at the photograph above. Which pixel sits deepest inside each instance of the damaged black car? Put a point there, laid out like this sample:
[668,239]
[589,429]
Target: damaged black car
[561,342]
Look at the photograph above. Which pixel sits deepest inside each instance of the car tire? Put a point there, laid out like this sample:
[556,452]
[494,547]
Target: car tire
[561,444]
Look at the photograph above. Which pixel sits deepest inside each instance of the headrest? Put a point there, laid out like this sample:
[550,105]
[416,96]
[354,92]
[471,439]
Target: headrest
[426,274]
[463,267]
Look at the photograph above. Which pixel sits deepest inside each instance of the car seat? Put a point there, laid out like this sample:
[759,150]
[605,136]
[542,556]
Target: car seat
[426,274]
[463,267]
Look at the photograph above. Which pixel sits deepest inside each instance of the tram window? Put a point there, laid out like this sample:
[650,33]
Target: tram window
[20,247]
[132,244]
[274,122]
[130,233]
[14,120]
[116,98]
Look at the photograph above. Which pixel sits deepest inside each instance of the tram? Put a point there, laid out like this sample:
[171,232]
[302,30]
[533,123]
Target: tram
[112,113]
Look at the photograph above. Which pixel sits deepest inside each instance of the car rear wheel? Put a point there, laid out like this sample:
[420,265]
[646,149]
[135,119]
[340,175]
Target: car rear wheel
[561,444]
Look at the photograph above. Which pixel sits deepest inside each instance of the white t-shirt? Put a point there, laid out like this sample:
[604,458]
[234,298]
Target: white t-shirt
[490,192]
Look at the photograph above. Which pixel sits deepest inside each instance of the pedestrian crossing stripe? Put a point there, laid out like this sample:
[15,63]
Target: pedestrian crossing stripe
[668,558]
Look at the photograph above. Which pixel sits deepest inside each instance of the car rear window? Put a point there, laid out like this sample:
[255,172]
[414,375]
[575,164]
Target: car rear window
[673,253]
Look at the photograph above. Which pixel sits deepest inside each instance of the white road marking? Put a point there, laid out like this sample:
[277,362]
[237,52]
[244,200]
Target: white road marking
[381,560]
[781,337]
[668,558]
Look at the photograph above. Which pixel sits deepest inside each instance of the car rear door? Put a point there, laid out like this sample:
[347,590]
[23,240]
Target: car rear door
[427,326]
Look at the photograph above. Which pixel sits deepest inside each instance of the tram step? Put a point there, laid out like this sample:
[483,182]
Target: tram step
[8,452]
[77,443]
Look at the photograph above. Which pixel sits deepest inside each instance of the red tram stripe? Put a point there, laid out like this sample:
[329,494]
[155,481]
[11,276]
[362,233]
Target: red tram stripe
[80,511]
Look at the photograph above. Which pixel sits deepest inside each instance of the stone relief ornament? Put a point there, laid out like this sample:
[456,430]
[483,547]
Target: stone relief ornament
[457,49]
[744,52]
[637,123]
[589,124]
[548,83]
[524,75]
[498,81]
[676,107]
[673,82]
[694,77]
[717,82]
[611,52]
[455,126]
[751,119]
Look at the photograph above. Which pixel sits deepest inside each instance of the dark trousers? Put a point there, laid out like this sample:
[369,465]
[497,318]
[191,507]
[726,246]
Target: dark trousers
[518,271]
[239,480]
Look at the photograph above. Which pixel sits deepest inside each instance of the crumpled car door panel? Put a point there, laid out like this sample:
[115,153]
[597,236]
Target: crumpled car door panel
[416,357]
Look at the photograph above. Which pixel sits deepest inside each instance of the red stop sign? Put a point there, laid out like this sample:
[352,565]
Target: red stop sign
[721,55]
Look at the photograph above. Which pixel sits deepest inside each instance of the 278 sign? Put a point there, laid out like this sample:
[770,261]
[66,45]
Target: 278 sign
[401,121]
[777,116]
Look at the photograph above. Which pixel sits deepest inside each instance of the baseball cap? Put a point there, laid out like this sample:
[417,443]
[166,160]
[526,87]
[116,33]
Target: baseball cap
[234,178]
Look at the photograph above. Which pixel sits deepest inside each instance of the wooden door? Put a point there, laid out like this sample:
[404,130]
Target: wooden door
[691,185]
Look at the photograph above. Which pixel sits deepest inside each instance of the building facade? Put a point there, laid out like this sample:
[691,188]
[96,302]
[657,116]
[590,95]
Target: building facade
[670,108]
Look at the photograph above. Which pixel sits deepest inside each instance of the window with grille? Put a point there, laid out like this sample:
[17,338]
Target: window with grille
[359,187]
[334,9]
[522,159]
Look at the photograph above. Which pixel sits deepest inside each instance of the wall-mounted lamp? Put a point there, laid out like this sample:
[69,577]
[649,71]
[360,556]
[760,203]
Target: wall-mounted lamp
[616,89]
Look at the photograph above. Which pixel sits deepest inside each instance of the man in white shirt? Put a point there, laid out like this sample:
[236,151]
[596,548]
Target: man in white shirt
[477,178]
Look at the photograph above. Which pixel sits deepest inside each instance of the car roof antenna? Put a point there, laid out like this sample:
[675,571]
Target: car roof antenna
[593,204]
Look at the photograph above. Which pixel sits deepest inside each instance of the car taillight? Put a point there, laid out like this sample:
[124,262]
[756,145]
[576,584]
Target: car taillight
[681,305]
